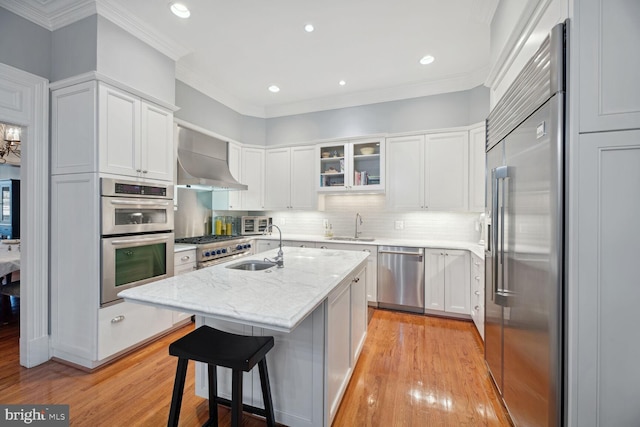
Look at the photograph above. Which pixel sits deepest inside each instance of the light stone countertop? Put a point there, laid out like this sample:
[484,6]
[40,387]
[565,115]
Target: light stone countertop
[277,298]
[383,241]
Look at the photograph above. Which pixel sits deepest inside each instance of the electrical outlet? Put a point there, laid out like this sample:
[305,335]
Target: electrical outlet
[283,221]
[399,225]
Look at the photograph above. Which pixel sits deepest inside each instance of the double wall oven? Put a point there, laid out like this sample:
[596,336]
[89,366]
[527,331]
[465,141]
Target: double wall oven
[137,235]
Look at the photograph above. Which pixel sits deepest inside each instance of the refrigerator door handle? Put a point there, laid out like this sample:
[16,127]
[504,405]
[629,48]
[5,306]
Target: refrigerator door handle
[498,175]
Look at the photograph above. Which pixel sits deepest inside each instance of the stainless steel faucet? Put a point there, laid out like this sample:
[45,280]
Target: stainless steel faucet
[279,259]
[358,216]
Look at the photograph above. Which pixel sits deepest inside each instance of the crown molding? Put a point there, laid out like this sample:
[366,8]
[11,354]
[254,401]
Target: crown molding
[455,83]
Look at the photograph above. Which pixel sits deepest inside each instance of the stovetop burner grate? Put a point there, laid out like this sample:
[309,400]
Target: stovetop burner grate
[200,240]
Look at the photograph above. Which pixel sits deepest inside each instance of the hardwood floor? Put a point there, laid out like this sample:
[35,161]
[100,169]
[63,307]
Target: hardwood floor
[414,371]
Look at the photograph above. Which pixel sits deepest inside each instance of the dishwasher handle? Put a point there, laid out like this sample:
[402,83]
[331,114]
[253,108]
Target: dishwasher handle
[419,254]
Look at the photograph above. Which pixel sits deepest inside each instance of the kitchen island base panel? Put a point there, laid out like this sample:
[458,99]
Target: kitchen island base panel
[296,370]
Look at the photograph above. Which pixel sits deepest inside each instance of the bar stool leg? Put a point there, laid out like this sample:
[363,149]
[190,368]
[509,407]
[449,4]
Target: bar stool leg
[266,392]
[178,388]
[213,396]
[236,398]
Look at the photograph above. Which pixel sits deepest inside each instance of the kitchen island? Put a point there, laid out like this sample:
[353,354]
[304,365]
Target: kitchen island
[315,308]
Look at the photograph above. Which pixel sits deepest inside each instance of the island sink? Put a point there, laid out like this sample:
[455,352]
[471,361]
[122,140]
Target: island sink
[251,265]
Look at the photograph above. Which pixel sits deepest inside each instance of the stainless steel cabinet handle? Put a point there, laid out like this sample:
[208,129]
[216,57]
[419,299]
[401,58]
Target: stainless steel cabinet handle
[477,293]
[117,319]
[185,258]
[476,308]
[138,170]
[138,203]
[366,250]
[139,240]
[323,247]
[477,278]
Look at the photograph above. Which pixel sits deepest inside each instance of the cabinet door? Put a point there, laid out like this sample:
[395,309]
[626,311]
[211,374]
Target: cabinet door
[434,279]
[447,171]
[119,133]
[277,179]
[303,182]
[234,161]
[338,345]
[604,320]
[73,120]
[265,245]
[477,146]
[405,172]
[457,287]
[156,149]
[358,314]
[609,60]
[367,165]
[334,167]
[253,177]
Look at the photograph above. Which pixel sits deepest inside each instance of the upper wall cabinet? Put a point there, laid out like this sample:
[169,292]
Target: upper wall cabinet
[609,60]
[352,166]
[428,172]
[477,144]
[98,128]
[252,174]
[290,178]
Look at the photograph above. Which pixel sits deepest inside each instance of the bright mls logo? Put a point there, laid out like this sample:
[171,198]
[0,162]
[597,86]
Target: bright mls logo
[37,415]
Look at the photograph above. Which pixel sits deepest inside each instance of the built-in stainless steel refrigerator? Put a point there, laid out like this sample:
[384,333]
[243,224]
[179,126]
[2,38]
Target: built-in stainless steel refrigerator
[524,247]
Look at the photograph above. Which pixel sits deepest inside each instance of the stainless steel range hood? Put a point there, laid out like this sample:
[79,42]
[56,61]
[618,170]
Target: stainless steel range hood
[203,161]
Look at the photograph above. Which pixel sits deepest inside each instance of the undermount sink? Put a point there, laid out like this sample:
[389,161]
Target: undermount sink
[353,239]
[251,265]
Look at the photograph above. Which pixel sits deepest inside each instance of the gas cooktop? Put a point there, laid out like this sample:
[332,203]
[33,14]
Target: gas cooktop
[202,240]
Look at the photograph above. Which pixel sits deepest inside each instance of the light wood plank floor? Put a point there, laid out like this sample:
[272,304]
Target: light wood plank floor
[414,371]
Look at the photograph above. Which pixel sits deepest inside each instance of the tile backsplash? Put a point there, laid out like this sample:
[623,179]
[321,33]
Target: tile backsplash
[340,212]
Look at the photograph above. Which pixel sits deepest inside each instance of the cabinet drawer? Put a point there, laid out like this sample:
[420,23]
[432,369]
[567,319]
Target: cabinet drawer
[184,257]
[126,324]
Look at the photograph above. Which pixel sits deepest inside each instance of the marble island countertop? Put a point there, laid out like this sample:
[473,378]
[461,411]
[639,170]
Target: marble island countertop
[277,298]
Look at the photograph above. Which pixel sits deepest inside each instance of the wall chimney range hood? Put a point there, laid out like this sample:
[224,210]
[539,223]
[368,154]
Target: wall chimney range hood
[203,162]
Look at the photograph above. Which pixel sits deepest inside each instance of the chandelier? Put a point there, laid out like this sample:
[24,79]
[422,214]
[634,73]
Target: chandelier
[11,144]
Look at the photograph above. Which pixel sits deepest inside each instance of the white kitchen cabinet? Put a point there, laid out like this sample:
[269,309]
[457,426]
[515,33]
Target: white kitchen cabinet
[298,244]
[290,178]
[265,245]
[99,128]
[253,176]
[428,172]
[477,148]
[477,293]
[183,262]
[354,165]
[372,265]
[358,314]
[608,60]
[339,348]
[447,281]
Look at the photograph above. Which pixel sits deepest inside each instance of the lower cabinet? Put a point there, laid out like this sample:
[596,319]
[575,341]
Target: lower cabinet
[183,262]
[447,281]
[124,325]
[372,265]
[477,293]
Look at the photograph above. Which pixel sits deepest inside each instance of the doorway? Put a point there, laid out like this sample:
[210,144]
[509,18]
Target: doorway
[24,101]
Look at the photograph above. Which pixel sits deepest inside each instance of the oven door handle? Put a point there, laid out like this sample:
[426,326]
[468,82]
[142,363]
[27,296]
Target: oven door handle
[138,203]
[139,240]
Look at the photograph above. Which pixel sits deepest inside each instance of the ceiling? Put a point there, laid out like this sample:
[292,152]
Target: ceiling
[234,50]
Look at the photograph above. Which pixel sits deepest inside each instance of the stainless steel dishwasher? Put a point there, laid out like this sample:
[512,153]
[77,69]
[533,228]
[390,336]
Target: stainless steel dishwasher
[401,278]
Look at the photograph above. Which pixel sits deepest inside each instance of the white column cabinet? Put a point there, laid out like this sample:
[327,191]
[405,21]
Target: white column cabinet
[447,281]
[99,128]
[477,293]
[477,151]
[183,262]
[290,178]
[253,176]
[428,172]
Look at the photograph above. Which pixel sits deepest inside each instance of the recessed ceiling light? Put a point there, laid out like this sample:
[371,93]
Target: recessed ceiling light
[427,60]
[342,83]
[180,10]
[274,88]
[309,28]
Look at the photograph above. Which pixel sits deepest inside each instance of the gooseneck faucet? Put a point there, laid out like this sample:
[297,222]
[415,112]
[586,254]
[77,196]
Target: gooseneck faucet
[279,259]
[358,217]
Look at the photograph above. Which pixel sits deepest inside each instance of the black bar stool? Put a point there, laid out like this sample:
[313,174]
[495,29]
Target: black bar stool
[240,353]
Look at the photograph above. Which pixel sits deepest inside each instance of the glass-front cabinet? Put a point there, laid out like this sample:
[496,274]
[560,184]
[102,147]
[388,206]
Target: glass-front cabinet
[354,165]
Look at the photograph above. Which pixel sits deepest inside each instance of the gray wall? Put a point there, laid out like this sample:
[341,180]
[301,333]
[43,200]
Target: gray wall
[203,111]
[24,45]
[417,114]
[74,49]
[129,60]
